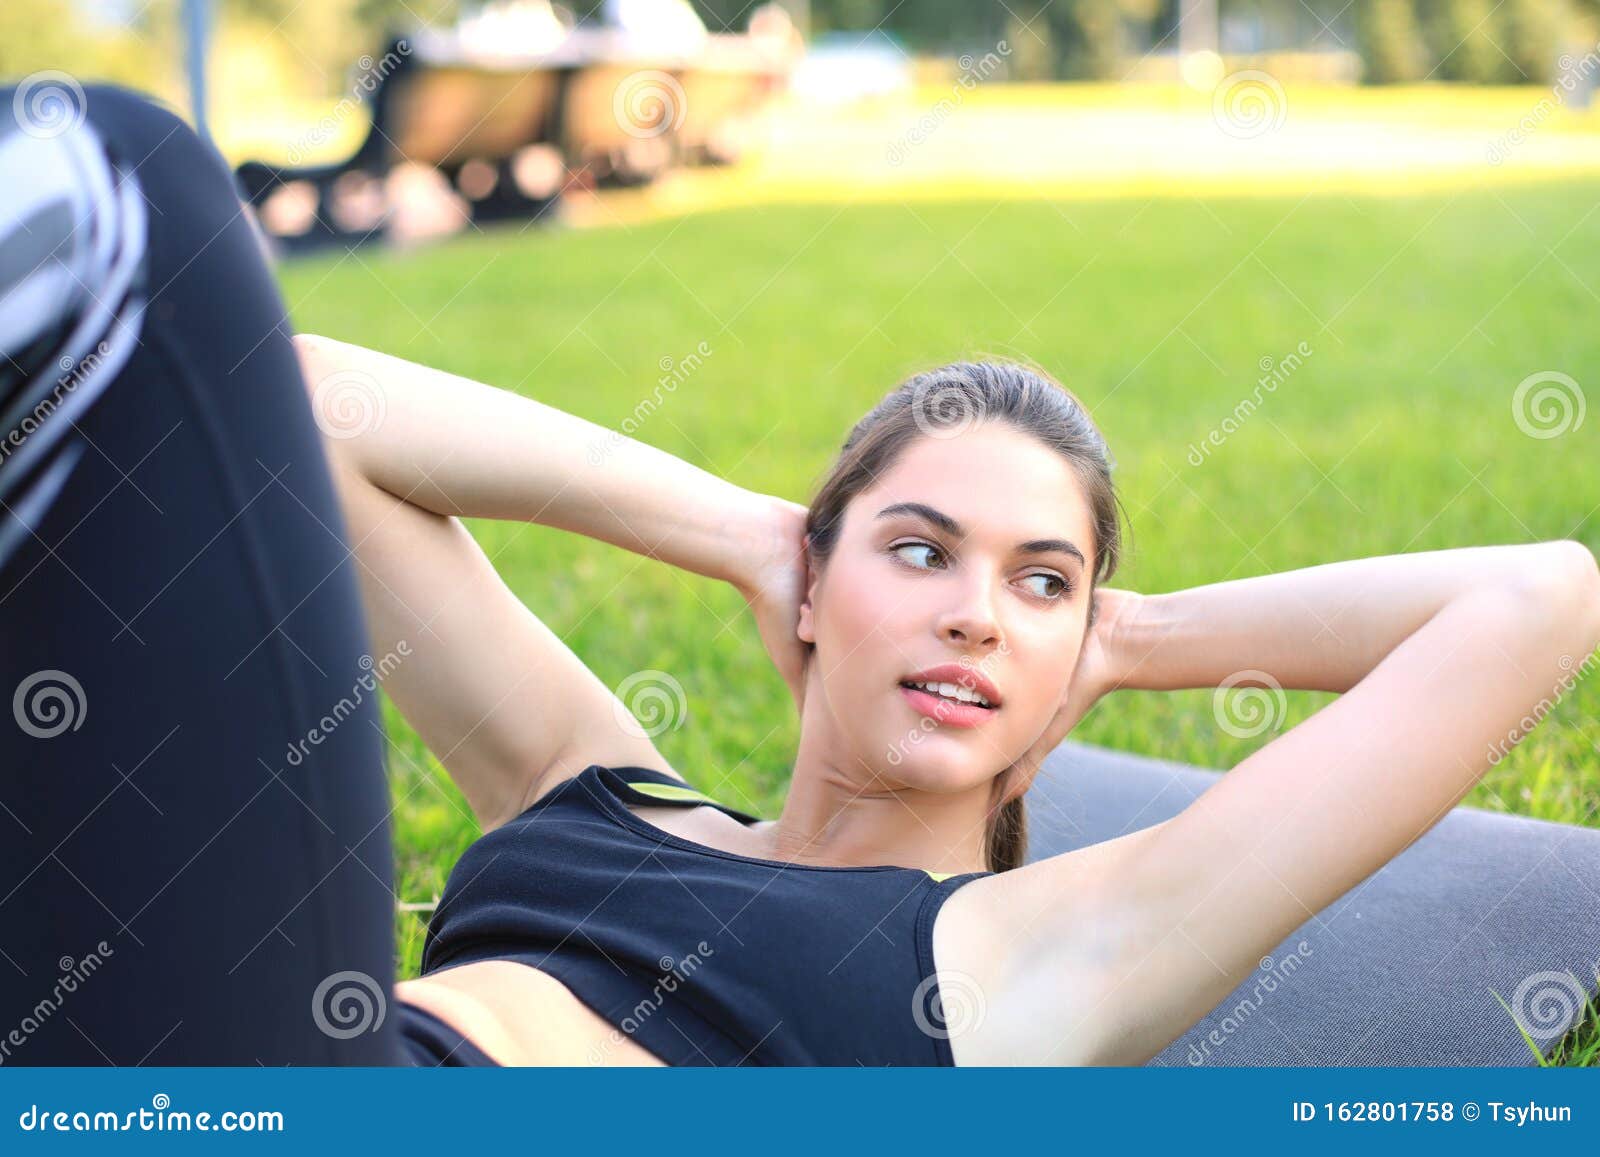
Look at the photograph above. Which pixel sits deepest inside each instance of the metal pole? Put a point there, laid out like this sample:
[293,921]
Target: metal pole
[1197,31]
[197,32]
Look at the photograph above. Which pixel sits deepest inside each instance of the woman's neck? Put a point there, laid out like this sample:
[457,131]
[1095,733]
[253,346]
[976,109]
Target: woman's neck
[833,816]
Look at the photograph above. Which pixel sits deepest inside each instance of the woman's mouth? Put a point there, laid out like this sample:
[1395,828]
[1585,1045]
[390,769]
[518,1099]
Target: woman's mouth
[939,701]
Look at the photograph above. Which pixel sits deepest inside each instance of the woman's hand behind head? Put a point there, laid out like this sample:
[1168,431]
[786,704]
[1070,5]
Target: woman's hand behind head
[774,586]
[1096,675]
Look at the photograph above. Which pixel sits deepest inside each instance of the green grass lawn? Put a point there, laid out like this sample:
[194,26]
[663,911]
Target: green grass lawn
[1396,433]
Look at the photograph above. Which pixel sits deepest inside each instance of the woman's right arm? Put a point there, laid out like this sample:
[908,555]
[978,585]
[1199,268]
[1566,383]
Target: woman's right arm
[459,447]
[499,698]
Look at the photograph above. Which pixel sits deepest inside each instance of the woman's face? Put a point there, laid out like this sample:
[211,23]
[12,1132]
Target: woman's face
[1000,590]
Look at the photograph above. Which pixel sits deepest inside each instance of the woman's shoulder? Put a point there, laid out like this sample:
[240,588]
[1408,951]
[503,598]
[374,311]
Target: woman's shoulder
[1047,946]
[569,765]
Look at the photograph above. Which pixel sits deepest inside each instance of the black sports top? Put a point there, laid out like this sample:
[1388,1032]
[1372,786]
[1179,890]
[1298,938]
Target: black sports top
[702,956]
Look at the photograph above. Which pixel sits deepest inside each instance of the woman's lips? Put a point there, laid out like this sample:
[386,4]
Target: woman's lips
[946,711]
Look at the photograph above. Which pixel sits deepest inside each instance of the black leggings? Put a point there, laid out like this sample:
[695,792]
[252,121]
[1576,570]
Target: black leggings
[175,886]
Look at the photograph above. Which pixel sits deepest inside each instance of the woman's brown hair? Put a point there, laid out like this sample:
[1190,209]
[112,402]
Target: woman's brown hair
[942,403]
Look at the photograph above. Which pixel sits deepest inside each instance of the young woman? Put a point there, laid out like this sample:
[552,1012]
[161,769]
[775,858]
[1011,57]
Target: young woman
[960,541]
[939,616]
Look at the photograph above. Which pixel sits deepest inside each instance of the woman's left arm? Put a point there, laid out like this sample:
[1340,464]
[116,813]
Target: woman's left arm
[1319,628]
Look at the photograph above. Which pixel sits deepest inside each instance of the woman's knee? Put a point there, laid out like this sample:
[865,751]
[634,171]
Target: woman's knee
[132,124]
[186,183]
[142,129]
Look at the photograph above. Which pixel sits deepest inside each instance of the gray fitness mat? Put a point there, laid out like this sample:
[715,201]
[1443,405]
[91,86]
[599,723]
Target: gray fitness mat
[1400,970]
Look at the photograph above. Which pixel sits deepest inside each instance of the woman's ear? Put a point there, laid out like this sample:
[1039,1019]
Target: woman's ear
[804,628]
[1015,782]
[1007,785]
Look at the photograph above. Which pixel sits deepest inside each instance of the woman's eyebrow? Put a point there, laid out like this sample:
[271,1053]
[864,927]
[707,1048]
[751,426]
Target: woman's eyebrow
[953,528]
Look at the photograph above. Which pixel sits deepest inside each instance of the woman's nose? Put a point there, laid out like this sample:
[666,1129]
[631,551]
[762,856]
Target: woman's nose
[973,632]
[973,621]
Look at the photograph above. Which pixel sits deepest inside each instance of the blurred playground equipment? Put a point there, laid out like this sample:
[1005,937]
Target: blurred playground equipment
[513,110]
[497,117]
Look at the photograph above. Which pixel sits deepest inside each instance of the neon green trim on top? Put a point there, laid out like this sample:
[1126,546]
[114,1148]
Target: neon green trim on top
[673,791]
[669,791]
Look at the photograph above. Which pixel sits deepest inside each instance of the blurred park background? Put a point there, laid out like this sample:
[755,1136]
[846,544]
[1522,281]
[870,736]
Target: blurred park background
[1320,269]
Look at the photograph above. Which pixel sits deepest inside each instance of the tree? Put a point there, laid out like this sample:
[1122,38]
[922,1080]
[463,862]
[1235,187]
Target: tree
[1532,32]
[1390,41]
[1091,36]
[1460,35]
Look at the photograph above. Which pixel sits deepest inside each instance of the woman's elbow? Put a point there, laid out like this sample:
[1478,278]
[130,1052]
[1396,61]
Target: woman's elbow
[316,359]
[1588,582]
[1567,581]
[345,401]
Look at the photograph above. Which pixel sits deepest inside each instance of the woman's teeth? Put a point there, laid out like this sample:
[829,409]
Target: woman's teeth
[951,691]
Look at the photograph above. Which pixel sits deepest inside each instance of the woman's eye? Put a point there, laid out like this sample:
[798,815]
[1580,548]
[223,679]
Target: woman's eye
[1060,590]
[1063,587]
[916,546]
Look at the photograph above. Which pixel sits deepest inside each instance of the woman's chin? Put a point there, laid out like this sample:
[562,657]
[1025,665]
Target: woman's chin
[946,772]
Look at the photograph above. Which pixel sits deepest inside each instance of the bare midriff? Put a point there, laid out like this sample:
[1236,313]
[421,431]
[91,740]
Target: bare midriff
[519,1015]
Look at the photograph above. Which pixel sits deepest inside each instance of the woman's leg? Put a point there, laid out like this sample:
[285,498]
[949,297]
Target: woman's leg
[194,820]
